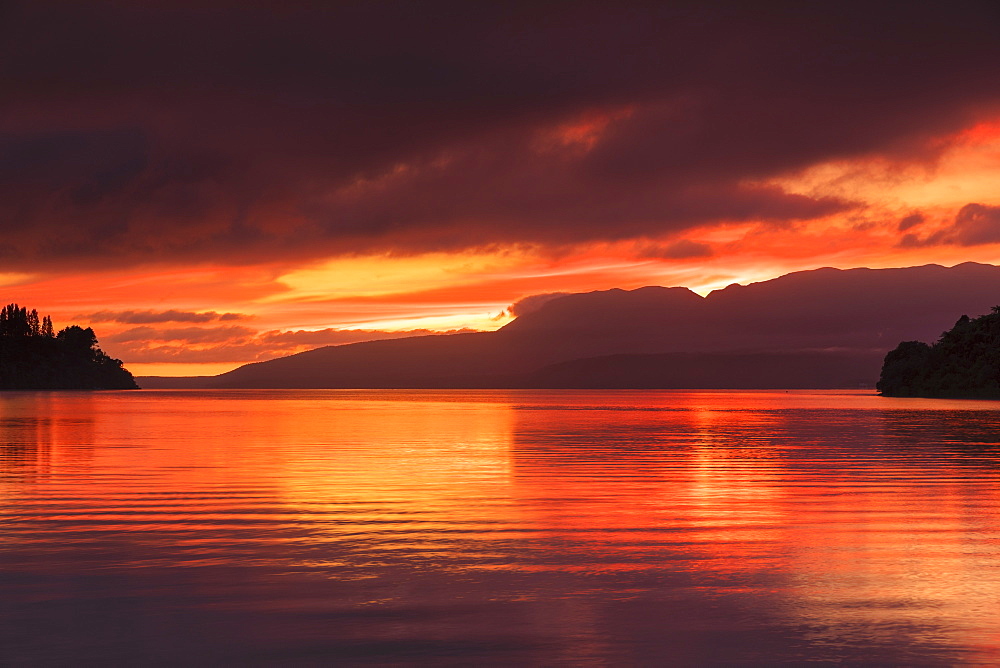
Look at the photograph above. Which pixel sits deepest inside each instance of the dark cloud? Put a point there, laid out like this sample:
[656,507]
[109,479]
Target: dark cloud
[974,225]
[911,221]
[679,250]
[232,132]
[151,317]
[96,162]
[186,335]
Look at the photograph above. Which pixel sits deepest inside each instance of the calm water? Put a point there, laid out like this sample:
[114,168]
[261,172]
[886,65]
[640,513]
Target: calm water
[458,527]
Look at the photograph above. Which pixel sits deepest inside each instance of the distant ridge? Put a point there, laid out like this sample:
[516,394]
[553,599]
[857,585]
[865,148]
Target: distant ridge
[824,328]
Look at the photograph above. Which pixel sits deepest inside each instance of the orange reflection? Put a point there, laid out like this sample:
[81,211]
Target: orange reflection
[873,548]
[864,519]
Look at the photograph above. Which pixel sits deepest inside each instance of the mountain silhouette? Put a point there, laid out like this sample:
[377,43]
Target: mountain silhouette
[820,328]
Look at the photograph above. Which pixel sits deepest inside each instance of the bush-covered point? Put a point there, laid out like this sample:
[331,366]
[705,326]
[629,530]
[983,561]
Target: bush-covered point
[32,357]
[965,362]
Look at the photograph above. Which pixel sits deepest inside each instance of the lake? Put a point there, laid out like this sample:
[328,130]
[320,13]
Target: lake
[504,527]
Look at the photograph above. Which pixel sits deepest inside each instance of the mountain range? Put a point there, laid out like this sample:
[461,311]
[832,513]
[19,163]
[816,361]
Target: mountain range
[824,328]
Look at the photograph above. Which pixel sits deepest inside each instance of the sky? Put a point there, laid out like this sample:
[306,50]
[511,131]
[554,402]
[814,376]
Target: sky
[210,184]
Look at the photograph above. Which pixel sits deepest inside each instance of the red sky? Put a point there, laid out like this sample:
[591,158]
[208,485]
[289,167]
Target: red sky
[208,185]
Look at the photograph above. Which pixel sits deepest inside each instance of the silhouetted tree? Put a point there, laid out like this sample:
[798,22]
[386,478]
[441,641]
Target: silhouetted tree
[78,341]
[14,322]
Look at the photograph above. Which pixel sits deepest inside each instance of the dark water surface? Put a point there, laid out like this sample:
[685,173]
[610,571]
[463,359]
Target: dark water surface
[462,527]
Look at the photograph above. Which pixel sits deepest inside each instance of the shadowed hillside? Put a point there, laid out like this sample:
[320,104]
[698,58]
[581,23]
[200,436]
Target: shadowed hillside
[825,328]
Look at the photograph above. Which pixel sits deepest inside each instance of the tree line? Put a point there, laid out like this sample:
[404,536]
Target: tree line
[20,322]
[34,357]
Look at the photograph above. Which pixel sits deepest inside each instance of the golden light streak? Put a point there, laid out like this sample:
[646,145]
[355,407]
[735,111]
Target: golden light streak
[182,369]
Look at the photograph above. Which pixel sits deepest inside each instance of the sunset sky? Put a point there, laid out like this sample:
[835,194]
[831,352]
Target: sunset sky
[210,184]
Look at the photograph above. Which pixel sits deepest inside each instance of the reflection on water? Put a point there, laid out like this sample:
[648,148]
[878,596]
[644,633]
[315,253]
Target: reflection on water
[306,527]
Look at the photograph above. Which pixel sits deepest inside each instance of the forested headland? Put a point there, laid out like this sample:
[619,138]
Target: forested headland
[34,357]
[964,363]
